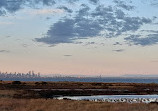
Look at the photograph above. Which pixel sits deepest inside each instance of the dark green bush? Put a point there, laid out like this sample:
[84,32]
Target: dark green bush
[16,82]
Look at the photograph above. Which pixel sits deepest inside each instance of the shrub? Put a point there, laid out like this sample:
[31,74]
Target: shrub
[16,82]
[43,83]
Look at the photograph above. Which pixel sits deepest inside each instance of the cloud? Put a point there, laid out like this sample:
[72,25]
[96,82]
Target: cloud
[150,39]
[72,1]
[48,2]
[117,43]
[48,18]
[154,2]
[4,51]
[11,6]
[90,43]
[66,9]
[123,5]
[94,1]
[150,2]
[85,22]
[60,32]
[150,31]
[67,55]
[67,30]
[119,50]
[106,21]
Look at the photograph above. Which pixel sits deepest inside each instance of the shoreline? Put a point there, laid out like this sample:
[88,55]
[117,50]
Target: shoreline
[40,96]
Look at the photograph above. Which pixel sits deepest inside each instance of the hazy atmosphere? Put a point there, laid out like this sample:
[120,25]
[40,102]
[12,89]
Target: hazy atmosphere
[79,37]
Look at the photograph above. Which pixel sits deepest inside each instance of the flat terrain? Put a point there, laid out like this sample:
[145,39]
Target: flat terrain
[53,89]
[68,105]
[38,96]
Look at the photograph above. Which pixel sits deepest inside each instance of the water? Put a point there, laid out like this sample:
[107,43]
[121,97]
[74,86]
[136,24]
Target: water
[116,98]
[107,80]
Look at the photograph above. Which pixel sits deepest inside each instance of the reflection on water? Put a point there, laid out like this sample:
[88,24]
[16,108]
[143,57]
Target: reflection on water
[116,98]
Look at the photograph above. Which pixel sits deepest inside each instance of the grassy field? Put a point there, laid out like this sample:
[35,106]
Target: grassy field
[68,105]
[19,96]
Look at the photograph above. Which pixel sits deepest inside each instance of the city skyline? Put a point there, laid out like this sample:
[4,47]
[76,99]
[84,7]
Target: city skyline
[77,37]
[30,74]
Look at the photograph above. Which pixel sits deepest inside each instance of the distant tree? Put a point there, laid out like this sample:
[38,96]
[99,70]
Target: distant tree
[37,83]
[44,83]
[16,82]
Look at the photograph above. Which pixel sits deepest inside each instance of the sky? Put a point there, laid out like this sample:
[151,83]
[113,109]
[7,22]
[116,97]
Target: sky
[79,37]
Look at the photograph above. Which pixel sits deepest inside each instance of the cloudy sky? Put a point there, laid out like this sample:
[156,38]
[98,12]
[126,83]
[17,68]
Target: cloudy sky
[82,37]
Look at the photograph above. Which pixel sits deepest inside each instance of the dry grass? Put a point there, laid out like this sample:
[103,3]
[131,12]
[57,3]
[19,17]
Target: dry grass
[7,93]
[68,105]
[9,103]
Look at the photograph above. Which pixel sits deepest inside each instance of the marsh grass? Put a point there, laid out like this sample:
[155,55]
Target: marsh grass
[69,105]
[37,101]
[7,93]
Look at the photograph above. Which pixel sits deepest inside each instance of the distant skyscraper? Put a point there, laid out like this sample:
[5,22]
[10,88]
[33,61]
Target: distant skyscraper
[33,72]
[38,75]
